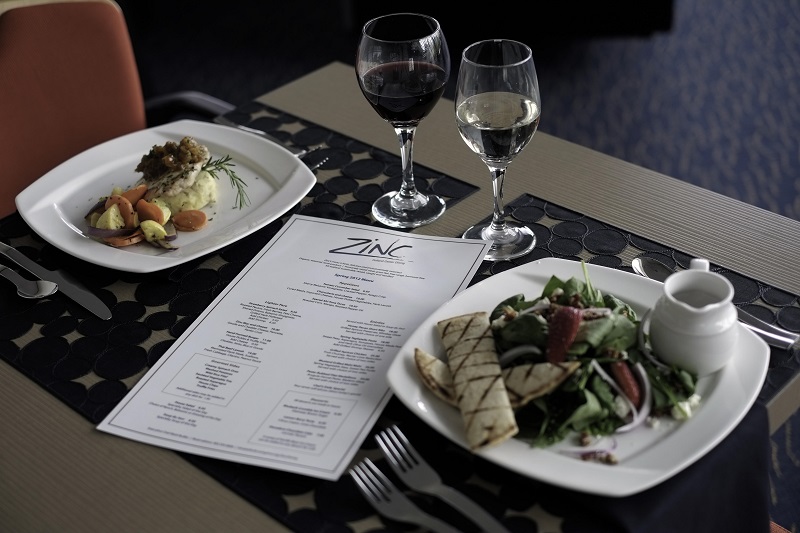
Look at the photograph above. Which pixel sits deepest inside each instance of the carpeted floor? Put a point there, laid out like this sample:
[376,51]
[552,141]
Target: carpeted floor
[712,99]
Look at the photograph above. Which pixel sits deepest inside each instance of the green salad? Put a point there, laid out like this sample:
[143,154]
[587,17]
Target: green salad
[620,383]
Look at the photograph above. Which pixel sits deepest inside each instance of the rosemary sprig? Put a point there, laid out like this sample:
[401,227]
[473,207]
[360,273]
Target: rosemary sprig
[223,164]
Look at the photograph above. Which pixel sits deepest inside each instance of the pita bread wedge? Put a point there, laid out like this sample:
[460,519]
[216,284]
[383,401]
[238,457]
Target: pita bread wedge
[479,388]
[523,383]
[529,381]
[435,374]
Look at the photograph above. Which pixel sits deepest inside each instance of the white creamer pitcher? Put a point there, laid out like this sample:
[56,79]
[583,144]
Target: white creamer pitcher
[694,323]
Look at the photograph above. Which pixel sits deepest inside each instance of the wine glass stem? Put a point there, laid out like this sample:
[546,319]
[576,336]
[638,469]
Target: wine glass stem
[498,215]
[408,190]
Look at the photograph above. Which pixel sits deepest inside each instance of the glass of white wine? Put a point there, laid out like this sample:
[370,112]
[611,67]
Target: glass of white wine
[497,112]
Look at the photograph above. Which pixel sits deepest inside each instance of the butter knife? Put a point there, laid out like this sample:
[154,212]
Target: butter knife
[296,150]
[71,288]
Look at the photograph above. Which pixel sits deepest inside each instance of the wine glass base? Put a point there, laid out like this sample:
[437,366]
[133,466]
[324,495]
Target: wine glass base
[515,241]
[396,212]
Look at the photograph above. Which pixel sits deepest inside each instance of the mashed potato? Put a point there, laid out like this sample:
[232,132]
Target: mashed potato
[202,192]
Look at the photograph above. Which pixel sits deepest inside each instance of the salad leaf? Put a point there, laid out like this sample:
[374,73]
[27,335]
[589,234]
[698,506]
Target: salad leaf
[621,336]
[526,329]
[615,304]
[594,331]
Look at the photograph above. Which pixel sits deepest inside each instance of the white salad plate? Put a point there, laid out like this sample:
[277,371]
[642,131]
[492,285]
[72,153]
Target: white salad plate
[55,205]
[647,455]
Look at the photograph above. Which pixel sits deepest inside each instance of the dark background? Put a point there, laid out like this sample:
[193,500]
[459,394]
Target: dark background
[707,92]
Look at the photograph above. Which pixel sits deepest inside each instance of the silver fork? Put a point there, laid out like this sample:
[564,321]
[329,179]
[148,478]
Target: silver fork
[412,469]
[389,501]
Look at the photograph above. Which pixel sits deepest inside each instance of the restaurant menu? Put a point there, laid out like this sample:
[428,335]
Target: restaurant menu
[286,368]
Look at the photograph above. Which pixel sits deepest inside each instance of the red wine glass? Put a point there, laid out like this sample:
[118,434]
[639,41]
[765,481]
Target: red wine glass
[402,66]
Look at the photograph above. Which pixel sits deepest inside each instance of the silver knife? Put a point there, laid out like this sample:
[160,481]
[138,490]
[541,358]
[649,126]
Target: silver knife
[296,150]
[69,287]
[778,337]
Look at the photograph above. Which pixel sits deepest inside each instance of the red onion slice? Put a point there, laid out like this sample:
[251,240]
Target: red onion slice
[639,416]
[102,233]
[99,207]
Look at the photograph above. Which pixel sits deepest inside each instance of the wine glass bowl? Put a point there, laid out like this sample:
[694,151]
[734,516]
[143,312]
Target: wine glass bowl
[497,109]
[402,67]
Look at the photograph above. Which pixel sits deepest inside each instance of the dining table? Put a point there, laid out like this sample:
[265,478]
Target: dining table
[62,369]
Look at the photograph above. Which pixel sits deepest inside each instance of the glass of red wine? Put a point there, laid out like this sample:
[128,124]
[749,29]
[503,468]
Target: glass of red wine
[497,112]
[402,66]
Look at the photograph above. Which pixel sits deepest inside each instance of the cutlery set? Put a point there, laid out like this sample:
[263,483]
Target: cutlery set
[49,282]
[418,475]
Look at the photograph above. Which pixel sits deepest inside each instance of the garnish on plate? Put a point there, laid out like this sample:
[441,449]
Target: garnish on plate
[223,164]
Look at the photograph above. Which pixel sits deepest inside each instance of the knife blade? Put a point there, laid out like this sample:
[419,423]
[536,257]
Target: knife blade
[296,150]
[69,287]
[773,335]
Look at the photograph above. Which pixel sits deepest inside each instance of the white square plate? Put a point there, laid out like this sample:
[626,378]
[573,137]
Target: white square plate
[55,205]
[647,456]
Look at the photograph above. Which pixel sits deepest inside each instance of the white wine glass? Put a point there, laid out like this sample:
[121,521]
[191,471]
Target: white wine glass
[497,112]
[402,66]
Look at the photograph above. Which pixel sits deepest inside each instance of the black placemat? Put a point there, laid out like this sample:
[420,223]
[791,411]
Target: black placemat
[91,364]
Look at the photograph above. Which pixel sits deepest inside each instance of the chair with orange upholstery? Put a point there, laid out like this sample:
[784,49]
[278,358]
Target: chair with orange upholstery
[69,81]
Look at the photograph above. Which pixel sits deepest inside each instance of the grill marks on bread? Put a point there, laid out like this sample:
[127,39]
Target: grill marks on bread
[478,385]
[523,383]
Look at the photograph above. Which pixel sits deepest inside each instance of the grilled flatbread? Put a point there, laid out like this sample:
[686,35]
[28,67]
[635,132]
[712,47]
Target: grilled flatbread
[523,382]
[479,388]
[530,381]
[435,374]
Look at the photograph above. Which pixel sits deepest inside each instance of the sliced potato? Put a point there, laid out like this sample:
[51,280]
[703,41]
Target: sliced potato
[111,218]
[93,219]
[125,209]
[153,231]
[165,209]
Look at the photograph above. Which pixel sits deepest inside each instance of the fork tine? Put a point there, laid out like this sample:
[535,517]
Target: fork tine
[415,472]
[366,483]
[378,478]
[393,450]
[410,453]
[390,501]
